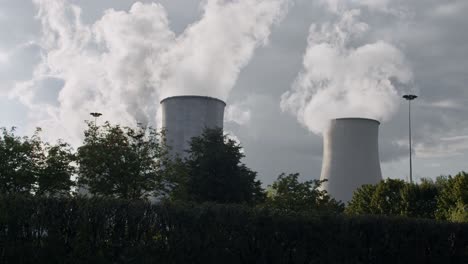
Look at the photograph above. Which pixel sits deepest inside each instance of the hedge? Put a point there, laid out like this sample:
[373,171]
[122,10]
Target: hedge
[51,230]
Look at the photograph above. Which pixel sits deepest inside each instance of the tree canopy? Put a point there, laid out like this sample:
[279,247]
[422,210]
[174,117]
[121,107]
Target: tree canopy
[288,194]
[216,173]
[393,197]
[57,169]
[452,202]
[28,165]
[128,163]
[19,162]
[120,161]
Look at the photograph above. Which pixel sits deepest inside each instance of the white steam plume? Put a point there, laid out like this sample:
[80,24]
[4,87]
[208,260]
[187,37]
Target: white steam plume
[339,80]
[207,58]
[124,63]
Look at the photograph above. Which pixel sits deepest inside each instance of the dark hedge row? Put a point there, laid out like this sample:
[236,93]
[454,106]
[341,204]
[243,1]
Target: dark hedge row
[41,230]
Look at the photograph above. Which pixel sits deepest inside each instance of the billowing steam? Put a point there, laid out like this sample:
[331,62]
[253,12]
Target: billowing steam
[341,80]
[123,64]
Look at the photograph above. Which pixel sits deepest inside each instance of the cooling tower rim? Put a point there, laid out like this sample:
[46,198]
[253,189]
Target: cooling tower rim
[356,118]
[192,97]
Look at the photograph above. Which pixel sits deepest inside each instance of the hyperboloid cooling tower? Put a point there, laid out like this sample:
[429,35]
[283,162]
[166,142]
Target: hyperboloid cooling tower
[184,117]
[350,156]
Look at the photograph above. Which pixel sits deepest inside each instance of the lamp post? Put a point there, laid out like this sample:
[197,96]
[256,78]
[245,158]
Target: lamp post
[409,98]
[95,115]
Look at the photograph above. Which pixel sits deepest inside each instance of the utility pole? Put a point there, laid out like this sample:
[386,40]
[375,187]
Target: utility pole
[410,97]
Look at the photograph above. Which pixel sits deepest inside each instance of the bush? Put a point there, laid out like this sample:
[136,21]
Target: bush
[54,230]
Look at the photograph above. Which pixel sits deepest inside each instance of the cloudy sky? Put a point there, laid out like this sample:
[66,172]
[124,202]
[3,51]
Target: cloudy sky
[284,67]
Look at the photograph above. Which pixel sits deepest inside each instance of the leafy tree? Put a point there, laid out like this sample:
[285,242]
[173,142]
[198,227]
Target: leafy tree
[121,161]
[175,181]
[216,173]
[55,177]
[288,194]
[361,202]
[459,213]
[386,199]
[395,197]
[19,162]
[452,201]
[420,200]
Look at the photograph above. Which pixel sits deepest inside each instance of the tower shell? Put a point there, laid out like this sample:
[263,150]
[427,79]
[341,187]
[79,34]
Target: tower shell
[185,117]
[350,156]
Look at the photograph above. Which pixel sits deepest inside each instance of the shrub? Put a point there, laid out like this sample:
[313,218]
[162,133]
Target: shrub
[64,230]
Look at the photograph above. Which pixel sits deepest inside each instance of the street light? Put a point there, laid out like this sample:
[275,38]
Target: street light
[410,97]
[95,115]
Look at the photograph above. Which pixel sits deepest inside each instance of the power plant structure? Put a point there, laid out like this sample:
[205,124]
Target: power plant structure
[350,156]
[185,117]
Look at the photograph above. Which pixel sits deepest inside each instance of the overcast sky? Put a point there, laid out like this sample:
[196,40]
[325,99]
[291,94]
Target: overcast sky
[284,67]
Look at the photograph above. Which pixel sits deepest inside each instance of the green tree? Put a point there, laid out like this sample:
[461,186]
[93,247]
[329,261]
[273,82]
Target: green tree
[386,199]
[459,213]
[216,173]
[19,162]
[121,162]
[395,197]
[175,181]
[55,176]
[361,202]
[452,202]
[288,194]
[420,200]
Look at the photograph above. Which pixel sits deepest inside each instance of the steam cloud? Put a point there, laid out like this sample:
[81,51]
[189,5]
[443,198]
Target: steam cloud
[123,64]
[339,80]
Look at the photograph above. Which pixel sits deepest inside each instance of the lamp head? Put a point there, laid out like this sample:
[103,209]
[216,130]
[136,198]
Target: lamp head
[410,97]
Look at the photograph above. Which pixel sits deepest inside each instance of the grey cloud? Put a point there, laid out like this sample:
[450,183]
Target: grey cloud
[17,23]
[18,65]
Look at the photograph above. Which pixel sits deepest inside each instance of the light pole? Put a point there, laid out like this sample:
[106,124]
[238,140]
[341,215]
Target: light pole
[95,115]
[410,97]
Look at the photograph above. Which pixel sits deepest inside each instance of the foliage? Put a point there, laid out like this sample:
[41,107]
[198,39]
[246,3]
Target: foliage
[361,202]
[216,173]
[395,197]
[55,177]
[121,161]
[453,198]
[30,166]
[176,180]
[75,230]
[288,194]
[19,162]
[420,200]
[459,213]
[386,199]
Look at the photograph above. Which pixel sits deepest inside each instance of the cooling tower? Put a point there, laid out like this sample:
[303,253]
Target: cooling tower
[184,117]
[350,156]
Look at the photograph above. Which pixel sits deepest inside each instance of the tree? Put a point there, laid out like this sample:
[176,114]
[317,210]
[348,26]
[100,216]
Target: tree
[361,202]
[28,165]
[175,181]
[288,194]
[452,202]
[216,173]
[459,213]
[121,162]
[395,197]
[55,177]
[19,162]
[386,199]
[420,200]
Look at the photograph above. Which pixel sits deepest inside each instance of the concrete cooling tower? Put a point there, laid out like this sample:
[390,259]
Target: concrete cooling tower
[184,117]
[350,156]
